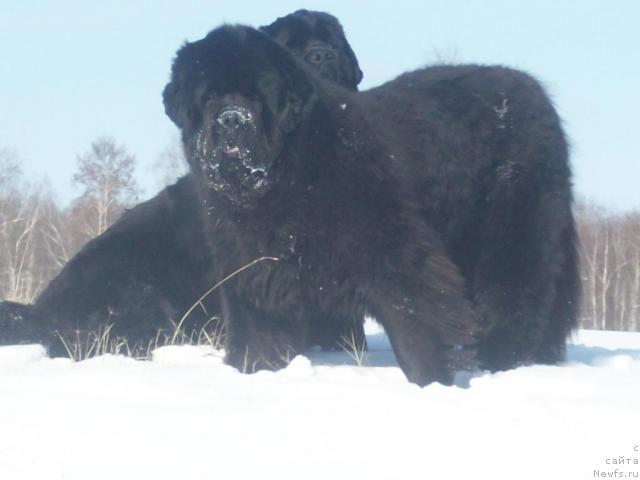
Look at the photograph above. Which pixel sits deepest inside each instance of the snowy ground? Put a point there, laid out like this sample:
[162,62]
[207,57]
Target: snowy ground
[187,416]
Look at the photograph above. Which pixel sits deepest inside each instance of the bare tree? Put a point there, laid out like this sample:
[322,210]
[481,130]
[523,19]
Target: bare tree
[9,169]
[610,268]
[25,266]
[58,236]
[106,174]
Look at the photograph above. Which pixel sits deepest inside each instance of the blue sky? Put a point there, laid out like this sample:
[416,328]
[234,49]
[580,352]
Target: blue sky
[71,71]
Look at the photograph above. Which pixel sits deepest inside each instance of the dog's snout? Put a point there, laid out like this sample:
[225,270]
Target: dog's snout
[320,55]
[233,118]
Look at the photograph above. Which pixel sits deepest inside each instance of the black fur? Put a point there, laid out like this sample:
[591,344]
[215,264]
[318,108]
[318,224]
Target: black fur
[141,275]
[492,174]
[315,176]
[146,271]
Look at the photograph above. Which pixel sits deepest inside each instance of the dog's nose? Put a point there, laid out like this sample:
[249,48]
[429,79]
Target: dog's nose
[320,55]
[233,118]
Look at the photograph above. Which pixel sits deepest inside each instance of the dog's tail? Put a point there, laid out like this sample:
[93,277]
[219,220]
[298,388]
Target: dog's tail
[565,309]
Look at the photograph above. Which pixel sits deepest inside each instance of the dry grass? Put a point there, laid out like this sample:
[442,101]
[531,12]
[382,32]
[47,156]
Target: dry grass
[215,287]
[81,345]
[356,350]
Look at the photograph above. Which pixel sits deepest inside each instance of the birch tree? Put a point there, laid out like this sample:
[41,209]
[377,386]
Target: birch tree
[105,173]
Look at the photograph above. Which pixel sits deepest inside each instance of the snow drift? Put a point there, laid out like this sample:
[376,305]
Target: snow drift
[187,415]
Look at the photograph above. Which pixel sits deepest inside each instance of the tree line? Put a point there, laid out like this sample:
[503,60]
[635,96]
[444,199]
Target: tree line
[610,268]
[38,236]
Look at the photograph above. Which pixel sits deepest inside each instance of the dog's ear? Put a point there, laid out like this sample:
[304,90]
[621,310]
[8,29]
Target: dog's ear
[292,79]
[174,103]
[350,64]
[179,95]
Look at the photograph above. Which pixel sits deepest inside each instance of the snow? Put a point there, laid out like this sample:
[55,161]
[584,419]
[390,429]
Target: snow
[185,415]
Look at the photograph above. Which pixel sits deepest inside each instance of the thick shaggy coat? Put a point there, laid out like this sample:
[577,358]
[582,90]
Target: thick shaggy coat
[491,173]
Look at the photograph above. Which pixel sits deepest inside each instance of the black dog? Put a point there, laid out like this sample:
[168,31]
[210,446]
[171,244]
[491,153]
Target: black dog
[318,39]
[316,177]
[491,171]
[147,269]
